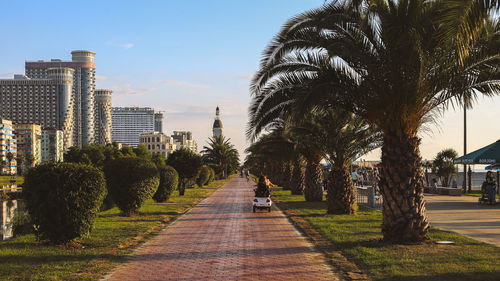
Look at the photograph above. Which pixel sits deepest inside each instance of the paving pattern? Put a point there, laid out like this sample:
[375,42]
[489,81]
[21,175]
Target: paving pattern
[221,239]
[463,215]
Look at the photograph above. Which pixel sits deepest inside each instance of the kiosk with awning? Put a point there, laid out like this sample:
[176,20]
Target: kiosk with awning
[488,155]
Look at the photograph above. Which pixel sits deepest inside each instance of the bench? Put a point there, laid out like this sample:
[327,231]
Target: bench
[449,191]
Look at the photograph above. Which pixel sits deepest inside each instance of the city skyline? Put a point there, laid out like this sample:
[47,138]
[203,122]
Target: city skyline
[151,54]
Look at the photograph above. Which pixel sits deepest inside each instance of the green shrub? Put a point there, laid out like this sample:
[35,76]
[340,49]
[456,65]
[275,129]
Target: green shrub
[203,177]
[169,179]
[63,199]
[211,177]
[21,223]
[187,164]
[130,182]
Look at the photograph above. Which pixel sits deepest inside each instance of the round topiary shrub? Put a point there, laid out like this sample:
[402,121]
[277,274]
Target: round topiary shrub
[203,176]
[130,181]
[211,178]
[169,179]
[63,199]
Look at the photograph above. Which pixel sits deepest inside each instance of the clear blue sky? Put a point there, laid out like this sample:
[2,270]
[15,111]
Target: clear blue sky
[183,57]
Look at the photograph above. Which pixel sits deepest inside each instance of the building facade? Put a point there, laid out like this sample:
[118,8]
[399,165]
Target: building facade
[29,143]
[48,101]
[157,142]
[83,90]
[52,144]
[128,123]
[217,127]
[7,145]
[103,122]
[184,139]
[159,122]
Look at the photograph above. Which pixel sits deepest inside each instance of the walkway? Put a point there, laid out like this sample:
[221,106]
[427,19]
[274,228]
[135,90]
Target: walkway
[221,239]
[463,215]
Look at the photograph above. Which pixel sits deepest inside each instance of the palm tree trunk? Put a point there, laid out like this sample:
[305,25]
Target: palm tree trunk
[401,185]
[287,175]
[298,179]
[341,196]
[313,191]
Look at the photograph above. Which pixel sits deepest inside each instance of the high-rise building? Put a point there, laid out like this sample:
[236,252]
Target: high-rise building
[157,142]
[83,64]
[159,122]
[129,122]
[217,127]
[7,145]
[52,145]
[103,122]
[46,101]
[184,139]
[29,142]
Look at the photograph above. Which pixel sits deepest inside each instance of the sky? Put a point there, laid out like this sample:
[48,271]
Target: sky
[187,57]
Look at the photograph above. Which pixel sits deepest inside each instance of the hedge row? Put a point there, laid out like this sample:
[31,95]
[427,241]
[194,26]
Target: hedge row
[63,199]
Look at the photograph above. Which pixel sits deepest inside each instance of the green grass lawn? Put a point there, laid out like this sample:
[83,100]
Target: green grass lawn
[358,238]
[6,180]
[23,258]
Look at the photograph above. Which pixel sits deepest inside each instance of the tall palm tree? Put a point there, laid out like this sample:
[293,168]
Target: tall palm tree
[277,148]
[10,157]
[394,63]
[341,137]
[221,155]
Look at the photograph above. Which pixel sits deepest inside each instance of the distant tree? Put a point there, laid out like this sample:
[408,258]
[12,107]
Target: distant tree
[443,165]
[187,164]
[29,160]
[221,155]
[158,159]
[10,156]
[4,163]
[142,152]
[95,154]
[127,151]
[20,162]
[73,155]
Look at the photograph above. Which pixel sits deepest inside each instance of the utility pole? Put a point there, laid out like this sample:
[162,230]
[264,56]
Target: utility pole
[465,147]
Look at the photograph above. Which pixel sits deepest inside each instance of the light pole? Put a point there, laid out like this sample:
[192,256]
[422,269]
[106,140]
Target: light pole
[465,148]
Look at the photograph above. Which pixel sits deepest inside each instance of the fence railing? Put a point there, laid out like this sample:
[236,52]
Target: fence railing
[369,197]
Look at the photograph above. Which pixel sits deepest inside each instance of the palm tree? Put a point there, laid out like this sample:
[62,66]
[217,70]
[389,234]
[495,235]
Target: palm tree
[341,137]
[394,63]
[10,157]
[29,159]
[20,162]
[221,155]
[3,164]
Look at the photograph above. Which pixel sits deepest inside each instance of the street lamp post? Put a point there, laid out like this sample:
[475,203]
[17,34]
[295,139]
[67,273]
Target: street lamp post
[465,148]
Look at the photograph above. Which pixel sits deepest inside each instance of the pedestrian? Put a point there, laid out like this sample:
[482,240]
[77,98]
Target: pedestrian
[354,176]
[490,188]
[434,185]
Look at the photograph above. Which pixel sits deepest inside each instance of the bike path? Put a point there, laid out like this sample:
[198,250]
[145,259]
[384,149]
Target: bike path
[221,239]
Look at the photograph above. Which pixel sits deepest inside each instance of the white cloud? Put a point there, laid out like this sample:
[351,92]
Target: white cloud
[183,84]
[128,89]
[125,46]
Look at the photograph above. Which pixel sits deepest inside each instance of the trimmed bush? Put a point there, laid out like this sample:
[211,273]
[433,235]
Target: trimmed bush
[211,177]
[169,179]
[63,199]
[21,223]
[131,181]
[203,177]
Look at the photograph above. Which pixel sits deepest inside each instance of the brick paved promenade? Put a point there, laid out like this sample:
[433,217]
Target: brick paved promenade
[221,239]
